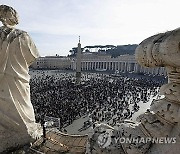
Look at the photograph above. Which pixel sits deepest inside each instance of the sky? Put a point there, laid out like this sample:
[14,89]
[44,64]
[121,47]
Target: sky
[55,25]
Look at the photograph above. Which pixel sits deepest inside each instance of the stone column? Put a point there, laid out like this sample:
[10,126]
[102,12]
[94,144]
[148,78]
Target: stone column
[95,65]
[118,66]
[132,67]
[112,66]
[125,67]
[87,68]
[122,66]
[100,65]
[109,65]
[128,67]
[89,65]
[115,66]
[84,65]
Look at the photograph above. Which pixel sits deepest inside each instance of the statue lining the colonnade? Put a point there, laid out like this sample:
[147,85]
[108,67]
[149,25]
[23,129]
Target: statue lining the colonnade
[17,53]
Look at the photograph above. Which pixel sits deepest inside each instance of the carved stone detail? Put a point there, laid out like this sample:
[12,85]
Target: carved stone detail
[163,119]
[17,53]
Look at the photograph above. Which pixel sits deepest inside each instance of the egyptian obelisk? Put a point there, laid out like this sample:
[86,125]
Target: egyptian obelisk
[78,63]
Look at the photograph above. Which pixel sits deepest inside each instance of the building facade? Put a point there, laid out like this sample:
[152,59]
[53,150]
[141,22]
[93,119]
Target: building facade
[52,62]
[97,62]
[123,63]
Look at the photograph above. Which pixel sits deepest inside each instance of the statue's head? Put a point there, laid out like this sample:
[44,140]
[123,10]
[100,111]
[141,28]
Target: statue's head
[8,16]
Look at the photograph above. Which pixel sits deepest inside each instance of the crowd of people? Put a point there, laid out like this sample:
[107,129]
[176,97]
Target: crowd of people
[102,97]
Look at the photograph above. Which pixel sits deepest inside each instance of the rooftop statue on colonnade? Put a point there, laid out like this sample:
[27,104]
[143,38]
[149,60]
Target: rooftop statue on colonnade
[162,122]
[17,53]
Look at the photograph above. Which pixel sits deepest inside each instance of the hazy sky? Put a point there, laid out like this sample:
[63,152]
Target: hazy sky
[55,25]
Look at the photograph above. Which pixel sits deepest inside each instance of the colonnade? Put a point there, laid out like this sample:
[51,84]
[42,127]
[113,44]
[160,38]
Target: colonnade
[121,66]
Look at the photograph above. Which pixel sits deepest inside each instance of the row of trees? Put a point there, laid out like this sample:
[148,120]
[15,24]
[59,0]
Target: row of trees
[112,50]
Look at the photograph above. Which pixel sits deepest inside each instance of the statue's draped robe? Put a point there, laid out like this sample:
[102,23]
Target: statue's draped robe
[17,52]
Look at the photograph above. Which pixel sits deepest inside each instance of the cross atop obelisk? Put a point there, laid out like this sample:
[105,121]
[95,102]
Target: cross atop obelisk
[78,63]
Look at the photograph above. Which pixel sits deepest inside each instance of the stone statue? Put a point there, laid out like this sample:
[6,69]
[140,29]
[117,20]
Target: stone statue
[17,53]
[159,126]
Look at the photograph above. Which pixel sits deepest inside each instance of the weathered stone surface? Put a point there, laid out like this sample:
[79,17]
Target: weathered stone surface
[17,52]
[163,119]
